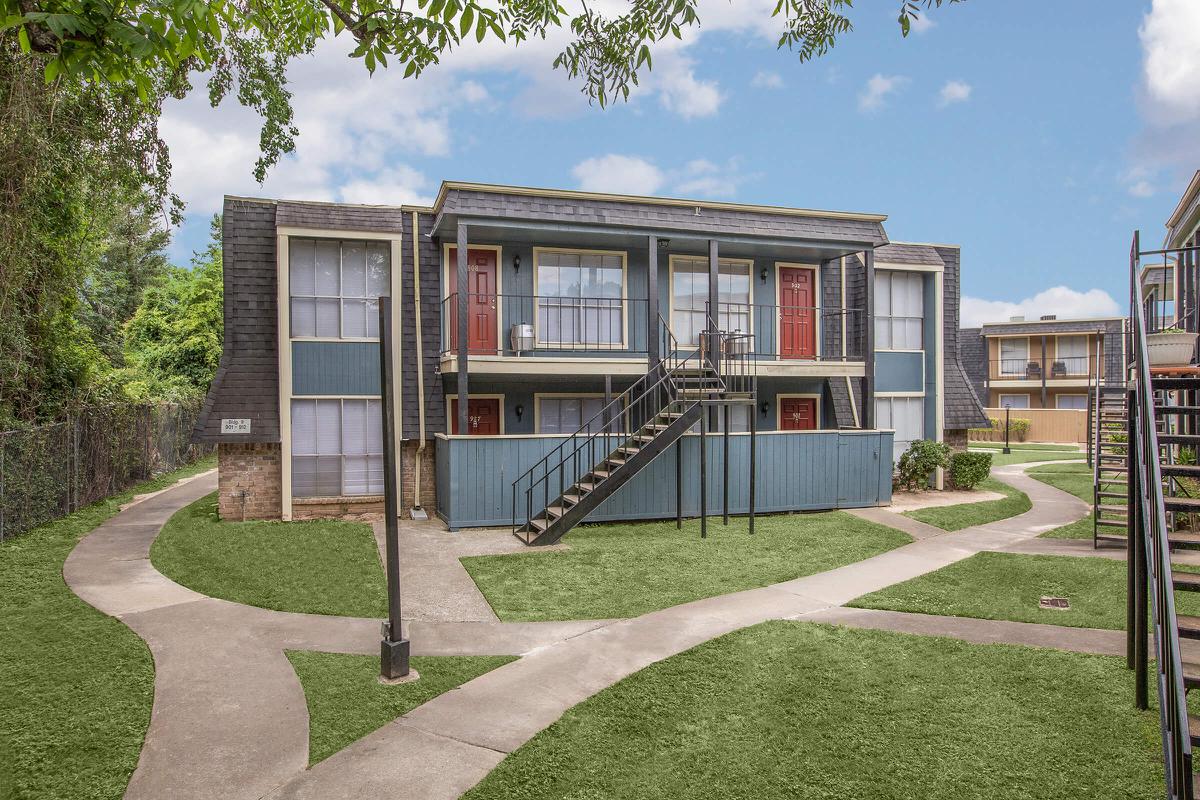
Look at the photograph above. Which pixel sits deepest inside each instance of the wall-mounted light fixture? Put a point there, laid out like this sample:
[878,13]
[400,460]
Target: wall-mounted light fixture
[765,407]
[516,262]
[763,275]
[518,409]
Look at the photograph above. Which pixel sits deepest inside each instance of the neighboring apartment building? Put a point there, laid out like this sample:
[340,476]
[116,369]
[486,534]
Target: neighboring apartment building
[569,299]
[1043,363]
[1158,275]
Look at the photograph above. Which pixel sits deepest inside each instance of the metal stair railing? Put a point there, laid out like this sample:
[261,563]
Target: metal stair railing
[1149,545]
[649,396]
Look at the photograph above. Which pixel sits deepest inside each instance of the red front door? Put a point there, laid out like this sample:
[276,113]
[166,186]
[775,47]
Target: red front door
[481,301]
[798,413]
[797,313]
[483,416]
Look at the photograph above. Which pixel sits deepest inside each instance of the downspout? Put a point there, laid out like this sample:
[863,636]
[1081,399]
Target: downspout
[420,368]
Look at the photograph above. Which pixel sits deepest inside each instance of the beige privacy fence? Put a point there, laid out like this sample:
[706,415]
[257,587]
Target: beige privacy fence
[1043,425]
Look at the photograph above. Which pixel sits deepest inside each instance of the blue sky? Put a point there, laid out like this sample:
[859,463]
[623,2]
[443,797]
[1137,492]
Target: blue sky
[1036,135]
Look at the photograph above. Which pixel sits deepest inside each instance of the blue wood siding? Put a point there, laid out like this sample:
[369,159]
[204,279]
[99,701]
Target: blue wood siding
[335,368]
[808,471]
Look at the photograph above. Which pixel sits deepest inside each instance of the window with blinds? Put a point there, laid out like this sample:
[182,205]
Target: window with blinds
[899,310]
[905,416]
[689,296]
[335,286]
[337,447]
[579,298]
[567,415]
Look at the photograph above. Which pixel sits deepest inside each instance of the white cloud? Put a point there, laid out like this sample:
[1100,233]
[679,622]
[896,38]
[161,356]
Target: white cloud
[1170,36]
[400,185]
[954,92]
[922,23]
[875,94]
[1062,301]
[618,174]
[635,175]
[681,92]
[765,79]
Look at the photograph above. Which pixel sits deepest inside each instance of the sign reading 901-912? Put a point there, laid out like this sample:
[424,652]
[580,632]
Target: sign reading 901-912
[235,426]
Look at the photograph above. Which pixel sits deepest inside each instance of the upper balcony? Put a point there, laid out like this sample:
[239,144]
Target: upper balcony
[1053,370]
[611,334]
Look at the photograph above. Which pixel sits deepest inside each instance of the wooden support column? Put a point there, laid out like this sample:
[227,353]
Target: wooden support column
[868,409]
[653,355]
[1044,370]
[463,328]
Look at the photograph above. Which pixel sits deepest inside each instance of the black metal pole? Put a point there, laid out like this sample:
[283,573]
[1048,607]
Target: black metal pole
[753,459]
[394,649]
[1131,557]
[704,474]
[1141,651]
[679,483]
[1007,411]
[725,469]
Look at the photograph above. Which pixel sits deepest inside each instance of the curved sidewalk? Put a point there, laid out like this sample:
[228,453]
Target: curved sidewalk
[230,720]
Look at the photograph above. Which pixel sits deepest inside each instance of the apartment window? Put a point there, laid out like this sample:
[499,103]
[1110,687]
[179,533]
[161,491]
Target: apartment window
[337,447]
[579,298]
[689,296]
[1014,401]
[905,416]
[336,286]
[1014,356]
[1076,402]
[1071,356]
[566,415]
[899,310]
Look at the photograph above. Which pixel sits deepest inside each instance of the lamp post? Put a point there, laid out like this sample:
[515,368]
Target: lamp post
[1007,427]
[394,648]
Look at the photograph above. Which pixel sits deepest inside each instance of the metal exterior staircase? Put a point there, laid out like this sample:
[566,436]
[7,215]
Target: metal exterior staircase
[1110,437]
[561,489]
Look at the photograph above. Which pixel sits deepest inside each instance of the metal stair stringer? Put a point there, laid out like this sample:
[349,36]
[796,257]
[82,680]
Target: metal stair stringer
[650,443]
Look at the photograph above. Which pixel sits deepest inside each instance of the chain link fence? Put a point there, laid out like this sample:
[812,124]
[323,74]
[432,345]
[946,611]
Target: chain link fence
[49,471]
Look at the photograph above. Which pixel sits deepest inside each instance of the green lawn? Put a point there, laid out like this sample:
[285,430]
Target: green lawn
[76,686]
[964,515]
[1076,479]
[346,701]
[1024,446]
[812,712]
[627,570]
[318,567]
[1026,456]
[1008,586]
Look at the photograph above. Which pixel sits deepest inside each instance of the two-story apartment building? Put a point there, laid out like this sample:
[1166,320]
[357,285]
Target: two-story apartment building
[524,315]
[1043,363]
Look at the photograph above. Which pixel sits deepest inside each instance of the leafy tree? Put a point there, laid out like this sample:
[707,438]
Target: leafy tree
[173,340]
[248,44]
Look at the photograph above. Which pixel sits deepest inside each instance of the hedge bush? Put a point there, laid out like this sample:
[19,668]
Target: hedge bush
[918,462]
[1018,428]
[967,470]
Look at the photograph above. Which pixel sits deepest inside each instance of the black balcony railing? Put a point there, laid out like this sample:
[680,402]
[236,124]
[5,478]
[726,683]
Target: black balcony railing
[508,324]
[1036,368]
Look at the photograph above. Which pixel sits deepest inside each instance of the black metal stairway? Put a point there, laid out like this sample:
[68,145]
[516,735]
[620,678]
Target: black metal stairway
[1110,437]
[630,432]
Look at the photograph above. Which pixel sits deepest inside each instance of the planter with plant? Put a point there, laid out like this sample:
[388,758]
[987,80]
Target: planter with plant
[1171,347]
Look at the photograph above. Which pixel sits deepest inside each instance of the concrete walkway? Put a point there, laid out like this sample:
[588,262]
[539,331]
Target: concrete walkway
[229,716]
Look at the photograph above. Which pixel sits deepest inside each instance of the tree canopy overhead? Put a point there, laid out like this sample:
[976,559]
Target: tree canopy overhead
[243,46]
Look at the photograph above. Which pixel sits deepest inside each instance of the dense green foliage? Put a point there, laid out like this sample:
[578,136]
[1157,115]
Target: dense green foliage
[315,567]
[78,685]
[346,701]
[812,712]
[83,179]
[625,570]
[967,470]
[915,468]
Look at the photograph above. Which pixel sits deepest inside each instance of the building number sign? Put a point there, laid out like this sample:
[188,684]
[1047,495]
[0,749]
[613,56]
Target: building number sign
[235,426]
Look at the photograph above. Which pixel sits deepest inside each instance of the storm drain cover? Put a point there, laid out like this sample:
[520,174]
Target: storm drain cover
[1059,603]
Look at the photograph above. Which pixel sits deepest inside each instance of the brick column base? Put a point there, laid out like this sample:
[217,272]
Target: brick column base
[957,438]
[249,481]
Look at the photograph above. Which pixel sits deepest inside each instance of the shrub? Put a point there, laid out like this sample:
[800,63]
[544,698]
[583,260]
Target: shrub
[967,470]
[1187,456]
[918,462]
[1019,428]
